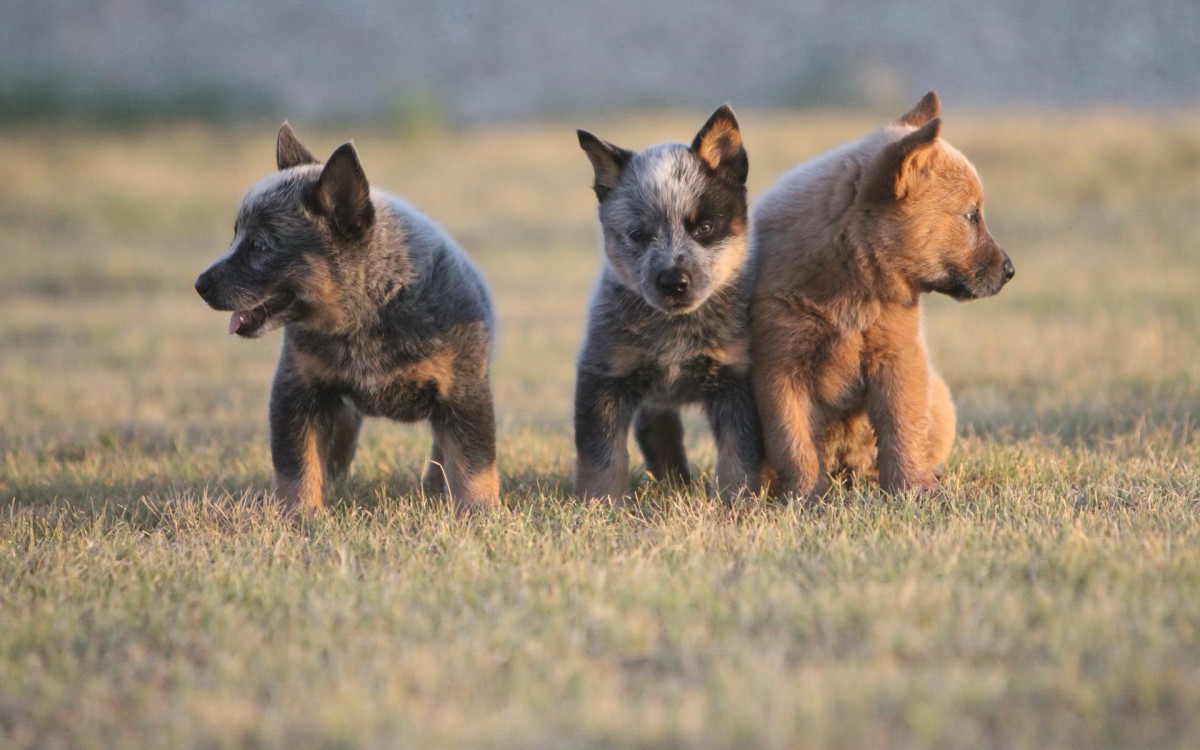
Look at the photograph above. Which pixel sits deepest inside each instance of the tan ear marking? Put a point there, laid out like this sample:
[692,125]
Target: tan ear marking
[720,143]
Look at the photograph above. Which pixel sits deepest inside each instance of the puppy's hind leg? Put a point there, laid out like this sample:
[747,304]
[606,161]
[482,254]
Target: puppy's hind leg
[850,448]
[465,437]
[343,439]
[659,433]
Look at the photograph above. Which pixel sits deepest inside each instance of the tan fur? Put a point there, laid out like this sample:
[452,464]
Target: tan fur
[942,419]
[928,108]
[844,247]
[721,141]
[438,369]
[467,490]
[735,353]
[623,360]
[310,368]
[323,293]
[729,262]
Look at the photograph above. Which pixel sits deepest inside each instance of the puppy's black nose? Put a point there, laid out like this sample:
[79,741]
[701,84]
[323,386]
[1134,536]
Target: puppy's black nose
[673,282]
[1009,271]
[203,284]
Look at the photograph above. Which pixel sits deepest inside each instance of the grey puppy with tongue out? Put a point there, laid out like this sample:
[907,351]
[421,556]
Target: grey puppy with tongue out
[383,315]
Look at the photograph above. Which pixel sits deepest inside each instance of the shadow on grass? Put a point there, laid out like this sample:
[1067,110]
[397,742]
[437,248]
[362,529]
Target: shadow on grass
[117,467]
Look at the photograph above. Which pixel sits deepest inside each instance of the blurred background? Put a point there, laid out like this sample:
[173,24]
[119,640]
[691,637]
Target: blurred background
[464,61]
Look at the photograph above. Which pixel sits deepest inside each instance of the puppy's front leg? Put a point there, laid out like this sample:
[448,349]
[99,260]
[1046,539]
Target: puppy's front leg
[897,376]
[788,422]
[302,426]
[737,432]
[604,407]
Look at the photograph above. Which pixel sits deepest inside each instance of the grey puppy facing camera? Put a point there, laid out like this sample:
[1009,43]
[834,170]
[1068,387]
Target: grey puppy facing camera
[668,319]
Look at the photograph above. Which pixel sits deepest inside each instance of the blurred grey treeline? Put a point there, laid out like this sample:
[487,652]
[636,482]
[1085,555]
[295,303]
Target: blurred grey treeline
[476,60]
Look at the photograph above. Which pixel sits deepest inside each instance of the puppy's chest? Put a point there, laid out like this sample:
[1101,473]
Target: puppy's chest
[841,383]
[682,369]
[833,348]
[380,381]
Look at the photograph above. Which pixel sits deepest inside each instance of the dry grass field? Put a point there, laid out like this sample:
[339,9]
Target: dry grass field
[149,599]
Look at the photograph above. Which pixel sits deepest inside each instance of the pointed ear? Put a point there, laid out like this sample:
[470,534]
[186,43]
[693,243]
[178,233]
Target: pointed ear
[719,144]
[343,194]
[891,174]
[288,150]
[928,108]
[608,162]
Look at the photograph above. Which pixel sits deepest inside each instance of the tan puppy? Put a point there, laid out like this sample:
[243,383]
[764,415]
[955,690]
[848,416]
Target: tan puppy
[844,247]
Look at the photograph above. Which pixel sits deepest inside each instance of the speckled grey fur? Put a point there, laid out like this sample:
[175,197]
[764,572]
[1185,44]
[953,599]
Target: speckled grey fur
[668,213]
[383,315]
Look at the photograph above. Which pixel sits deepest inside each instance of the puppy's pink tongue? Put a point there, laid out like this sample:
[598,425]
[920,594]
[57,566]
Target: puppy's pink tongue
[236,321]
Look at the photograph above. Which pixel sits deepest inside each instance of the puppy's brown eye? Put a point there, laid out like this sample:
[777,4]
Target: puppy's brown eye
[973,216]
[638,236]
[704,229]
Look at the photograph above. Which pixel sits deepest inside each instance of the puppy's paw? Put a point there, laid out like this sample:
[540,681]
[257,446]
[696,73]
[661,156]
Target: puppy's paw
[928,488]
